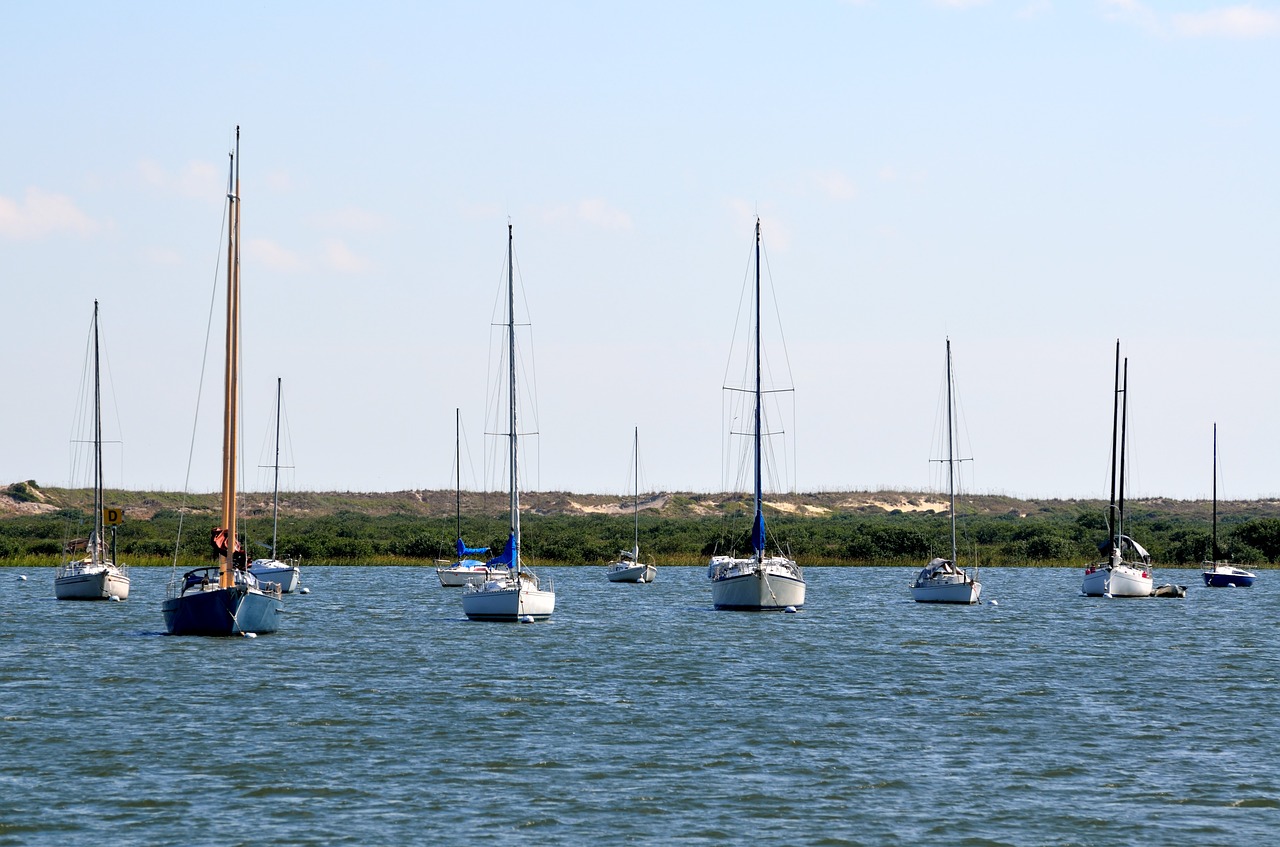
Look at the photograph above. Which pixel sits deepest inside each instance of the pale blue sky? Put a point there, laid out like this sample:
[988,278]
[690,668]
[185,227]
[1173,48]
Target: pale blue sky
[1034,178]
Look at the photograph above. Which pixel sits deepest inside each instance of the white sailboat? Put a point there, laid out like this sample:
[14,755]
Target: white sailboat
[464,570]
[1116,575]
[272,571]
[759,582]
[96,576]
[513,595]
[1222,574]
[629,568]
[943,580]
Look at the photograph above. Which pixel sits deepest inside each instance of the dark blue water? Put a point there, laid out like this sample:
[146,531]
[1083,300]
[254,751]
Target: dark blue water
[379,715]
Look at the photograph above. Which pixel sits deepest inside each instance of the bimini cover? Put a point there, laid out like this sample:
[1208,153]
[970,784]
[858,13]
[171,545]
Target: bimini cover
[508,556]
[465,551]
[1137,548]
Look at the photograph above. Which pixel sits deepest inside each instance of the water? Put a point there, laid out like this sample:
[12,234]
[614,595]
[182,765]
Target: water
[379,715]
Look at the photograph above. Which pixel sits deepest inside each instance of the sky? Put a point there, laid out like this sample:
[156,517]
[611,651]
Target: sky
[1033,179]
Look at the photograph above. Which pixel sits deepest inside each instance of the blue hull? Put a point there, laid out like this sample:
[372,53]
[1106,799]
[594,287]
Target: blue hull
[1226,580]
[223,611]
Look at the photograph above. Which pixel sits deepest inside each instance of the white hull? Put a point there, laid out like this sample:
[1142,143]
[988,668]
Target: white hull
[273,572]
[75,583]
[502,600]
[965,592]
[1116,580]
[458,576]
[628,572]
[749,586]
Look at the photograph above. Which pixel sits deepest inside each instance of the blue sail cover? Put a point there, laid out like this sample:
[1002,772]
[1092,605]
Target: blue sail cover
[464,550]
[508,556]
[757,533]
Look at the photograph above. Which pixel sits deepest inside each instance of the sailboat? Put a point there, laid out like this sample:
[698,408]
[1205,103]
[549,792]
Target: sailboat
[629,568]
[759,582]
[225,599]
[1222,574]
[272,571]
[464,570]
[943,580]
[1117,576]
[96,576]
[514,595]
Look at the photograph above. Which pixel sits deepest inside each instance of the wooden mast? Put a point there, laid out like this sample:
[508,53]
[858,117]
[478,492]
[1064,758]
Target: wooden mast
[230,418]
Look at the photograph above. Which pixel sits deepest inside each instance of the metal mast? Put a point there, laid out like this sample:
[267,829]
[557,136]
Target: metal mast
[758,493]
[96,554]
[511,374]
[275,497]
[231,408]
[951,456]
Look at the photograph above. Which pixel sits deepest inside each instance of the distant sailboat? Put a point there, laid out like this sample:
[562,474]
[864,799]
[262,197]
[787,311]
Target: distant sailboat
[1117,576]
[1222,574]
[464,570]
[629,568]
[96,576]
[225,599]
[516,594]
[943,580]
[272,571]
[759,582]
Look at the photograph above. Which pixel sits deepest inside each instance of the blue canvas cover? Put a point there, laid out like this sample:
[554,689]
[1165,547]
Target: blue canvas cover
[465,551]
[508,556]
[757,533]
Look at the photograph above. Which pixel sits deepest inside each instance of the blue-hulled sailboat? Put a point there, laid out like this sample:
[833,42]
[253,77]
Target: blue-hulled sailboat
[225,599]
[1222,574]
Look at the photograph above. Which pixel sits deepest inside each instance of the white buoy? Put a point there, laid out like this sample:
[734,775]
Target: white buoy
[304,591]
[251,635]
[790,610]
[526,619]
[22,577]
[994,602]
[115,598]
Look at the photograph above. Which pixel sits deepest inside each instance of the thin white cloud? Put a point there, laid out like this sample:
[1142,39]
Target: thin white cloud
[339,257]
[836,185]
[350,219]
[42,213]
[273,256]
[600,214]
[1232,22]
[959,4]
[1034,9]
[1243,21]
[199,180]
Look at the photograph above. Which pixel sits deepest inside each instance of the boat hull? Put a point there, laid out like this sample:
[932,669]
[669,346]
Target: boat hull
[959,592]
[746,586]
[222,611]
[1116,581]
[1228,578]
[277,573]
[487,603]
[92,585]
[632,573]
[456,577]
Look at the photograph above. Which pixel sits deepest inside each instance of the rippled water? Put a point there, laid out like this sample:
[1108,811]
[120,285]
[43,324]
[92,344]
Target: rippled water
[378,714]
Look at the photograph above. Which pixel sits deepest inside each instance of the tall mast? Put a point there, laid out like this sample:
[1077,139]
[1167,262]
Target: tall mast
[275,498]
[635,447]
[511,375]
[1115,424]
[457,454]
[1214,536]
[758,493]
[951,455]
[96,553]
[1124,422]
[230,418]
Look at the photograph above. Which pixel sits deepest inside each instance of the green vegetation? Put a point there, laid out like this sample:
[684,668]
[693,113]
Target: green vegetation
[882,528]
